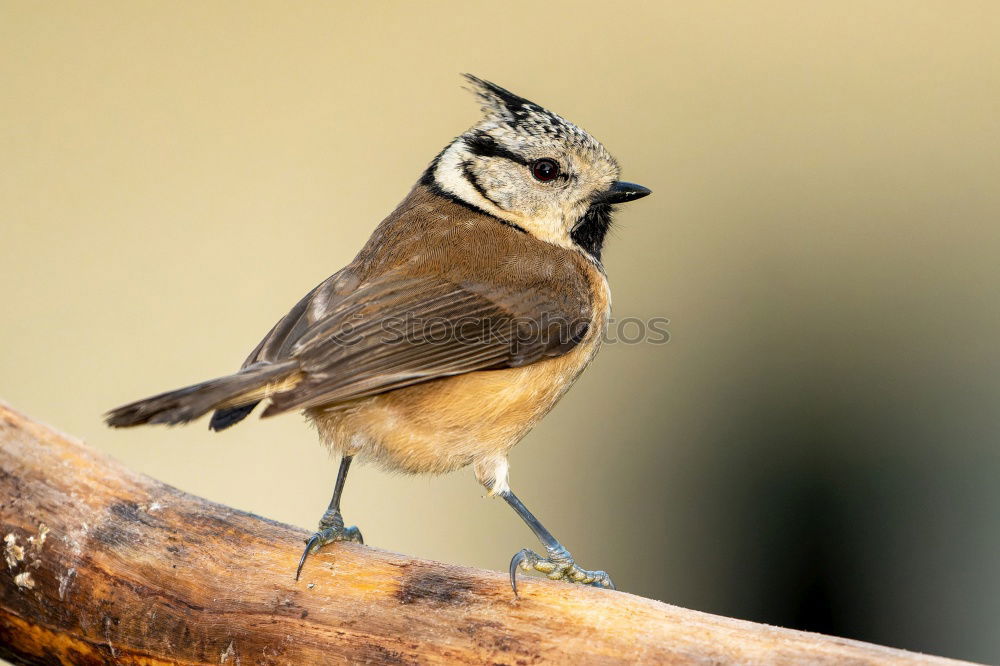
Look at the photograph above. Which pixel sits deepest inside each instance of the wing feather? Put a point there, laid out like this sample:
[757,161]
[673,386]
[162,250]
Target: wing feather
[401,330]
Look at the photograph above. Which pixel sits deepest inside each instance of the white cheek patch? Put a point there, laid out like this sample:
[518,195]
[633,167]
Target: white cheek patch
[450,177]
[550,225]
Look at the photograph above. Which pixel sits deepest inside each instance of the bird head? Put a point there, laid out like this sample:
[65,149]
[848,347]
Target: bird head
[533,169]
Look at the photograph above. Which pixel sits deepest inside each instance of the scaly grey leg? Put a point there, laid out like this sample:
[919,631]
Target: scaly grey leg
[559,564]
[331,525]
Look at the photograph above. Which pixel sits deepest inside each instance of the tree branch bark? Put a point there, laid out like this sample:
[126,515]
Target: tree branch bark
[103,565]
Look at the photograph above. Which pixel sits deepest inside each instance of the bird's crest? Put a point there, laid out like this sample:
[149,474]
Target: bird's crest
[505,109]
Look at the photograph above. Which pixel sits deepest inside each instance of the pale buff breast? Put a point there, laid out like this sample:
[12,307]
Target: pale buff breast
[446,424]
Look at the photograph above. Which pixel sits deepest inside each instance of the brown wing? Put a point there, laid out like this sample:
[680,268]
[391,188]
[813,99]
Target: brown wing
[277,344]
[400,330]
[408,308]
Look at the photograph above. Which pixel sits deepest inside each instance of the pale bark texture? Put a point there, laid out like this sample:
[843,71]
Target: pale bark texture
[104,565]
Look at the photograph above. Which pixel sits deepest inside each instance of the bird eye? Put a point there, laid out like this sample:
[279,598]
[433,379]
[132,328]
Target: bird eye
[545,169]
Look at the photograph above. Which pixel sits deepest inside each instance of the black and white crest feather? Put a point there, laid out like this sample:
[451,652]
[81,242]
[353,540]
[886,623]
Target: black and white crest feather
[524,116]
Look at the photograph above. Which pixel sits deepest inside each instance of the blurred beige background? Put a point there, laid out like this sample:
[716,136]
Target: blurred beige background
[816,446]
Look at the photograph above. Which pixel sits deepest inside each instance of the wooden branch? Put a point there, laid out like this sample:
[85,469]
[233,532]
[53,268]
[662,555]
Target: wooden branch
[103,565]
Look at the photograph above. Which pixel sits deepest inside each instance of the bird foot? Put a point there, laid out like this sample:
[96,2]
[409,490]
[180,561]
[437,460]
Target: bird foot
[559,565]
[329,532]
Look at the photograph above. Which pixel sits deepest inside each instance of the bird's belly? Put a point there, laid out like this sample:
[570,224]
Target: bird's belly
[448,423]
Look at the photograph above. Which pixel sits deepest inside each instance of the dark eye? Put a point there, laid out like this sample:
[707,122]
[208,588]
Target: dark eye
[545,169]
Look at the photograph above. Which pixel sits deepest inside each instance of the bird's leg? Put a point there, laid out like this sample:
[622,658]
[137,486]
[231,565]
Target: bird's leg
[331,525]
[559,564]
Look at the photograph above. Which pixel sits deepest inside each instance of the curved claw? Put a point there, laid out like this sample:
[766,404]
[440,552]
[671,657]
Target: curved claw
[325,536]
[310,544]
[515,564]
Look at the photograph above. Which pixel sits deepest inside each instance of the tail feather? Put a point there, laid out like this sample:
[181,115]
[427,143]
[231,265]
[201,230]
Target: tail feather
[228,416]
[234,392]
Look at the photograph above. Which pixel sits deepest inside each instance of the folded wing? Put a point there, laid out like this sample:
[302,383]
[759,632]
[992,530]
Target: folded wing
[400,330]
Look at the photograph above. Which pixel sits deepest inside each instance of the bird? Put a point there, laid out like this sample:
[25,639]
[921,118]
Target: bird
[470,311]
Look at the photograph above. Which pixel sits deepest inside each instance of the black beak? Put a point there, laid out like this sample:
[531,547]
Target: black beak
[622,192]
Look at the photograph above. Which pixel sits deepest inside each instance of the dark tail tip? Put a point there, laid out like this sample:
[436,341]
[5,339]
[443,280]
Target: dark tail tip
[118,418]
[188,403]
[171,408]
[141,413]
